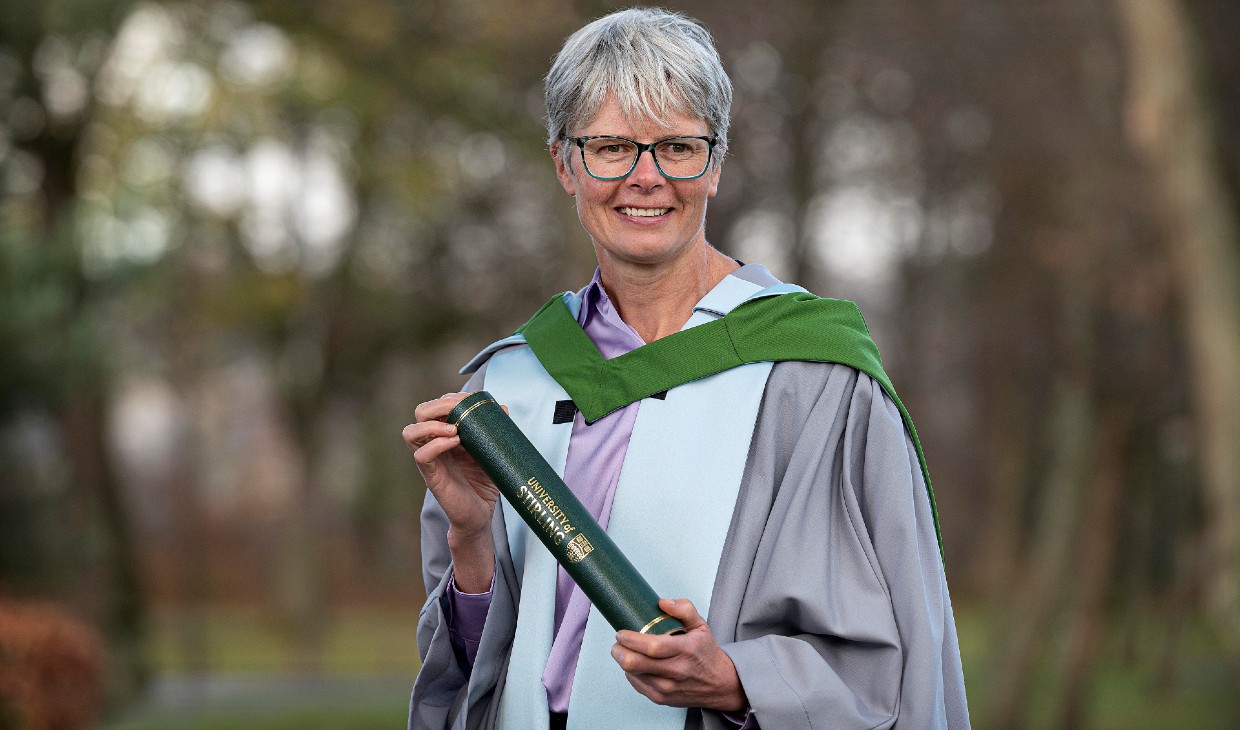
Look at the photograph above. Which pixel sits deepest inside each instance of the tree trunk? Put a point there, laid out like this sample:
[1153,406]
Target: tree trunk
[805,130]
[84,421]
[1073,423]
[81,398]
[1008,447]
[1100,533]
[1171,124]
[186,356]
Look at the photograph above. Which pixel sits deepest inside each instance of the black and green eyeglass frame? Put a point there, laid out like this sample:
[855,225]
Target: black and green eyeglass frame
[643,147]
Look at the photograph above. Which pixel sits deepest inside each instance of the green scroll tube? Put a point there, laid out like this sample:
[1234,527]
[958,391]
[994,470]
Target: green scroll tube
[559,520]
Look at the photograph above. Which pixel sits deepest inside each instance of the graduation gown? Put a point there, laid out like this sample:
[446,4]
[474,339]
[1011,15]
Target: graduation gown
[829,596]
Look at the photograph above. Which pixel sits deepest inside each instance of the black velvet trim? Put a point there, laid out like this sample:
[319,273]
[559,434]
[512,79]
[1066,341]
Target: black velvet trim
[564,411]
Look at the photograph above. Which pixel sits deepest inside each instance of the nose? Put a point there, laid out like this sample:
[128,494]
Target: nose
[646,173]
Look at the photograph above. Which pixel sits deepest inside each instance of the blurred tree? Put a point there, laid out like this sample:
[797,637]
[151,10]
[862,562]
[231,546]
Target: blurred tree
[53,328]
[292,221]
[1034,310]
[340,193]
[1173,122]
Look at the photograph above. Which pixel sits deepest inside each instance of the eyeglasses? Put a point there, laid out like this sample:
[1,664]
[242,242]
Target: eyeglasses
[677,158]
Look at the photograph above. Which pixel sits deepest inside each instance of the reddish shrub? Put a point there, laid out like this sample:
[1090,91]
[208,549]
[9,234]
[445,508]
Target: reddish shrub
[51,669]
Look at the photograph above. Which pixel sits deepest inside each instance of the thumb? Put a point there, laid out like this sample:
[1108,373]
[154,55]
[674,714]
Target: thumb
[683,610]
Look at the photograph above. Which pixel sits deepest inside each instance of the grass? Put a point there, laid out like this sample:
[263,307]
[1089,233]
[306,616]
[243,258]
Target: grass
[247,640]
[305,718]
[365,673]
[1202,700]
[1124,694]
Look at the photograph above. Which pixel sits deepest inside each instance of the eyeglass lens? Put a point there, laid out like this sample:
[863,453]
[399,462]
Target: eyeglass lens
[679,157]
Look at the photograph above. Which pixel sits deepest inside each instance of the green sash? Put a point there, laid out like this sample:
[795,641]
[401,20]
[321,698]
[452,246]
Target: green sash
[797,326]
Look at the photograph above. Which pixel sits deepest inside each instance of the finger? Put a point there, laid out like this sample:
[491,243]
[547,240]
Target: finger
[427,454]
[438,409]
[656,647]
[684,610]
[657,689]
[634,641]
[419,434]
[643,688]
[633,662]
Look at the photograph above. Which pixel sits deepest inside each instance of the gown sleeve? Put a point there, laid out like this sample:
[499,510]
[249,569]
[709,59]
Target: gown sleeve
[442,681]
[446,693]
[831,598]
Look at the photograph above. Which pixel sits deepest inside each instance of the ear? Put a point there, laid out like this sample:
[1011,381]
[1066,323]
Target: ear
[562,173]
[713,175]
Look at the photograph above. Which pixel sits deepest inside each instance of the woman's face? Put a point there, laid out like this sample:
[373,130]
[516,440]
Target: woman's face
[643,218]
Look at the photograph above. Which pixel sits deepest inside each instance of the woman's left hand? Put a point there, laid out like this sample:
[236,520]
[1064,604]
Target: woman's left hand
[689,670]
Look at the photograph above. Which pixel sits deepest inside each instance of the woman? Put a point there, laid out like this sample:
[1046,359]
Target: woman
[773,484]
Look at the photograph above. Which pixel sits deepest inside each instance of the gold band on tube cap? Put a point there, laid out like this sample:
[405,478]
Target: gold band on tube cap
[647,627]
[467,410]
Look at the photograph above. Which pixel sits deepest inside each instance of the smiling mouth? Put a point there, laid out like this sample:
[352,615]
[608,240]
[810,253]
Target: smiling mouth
[645,212]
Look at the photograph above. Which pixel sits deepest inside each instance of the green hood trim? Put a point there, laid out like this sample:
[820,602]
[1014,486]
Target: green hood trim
[795,326]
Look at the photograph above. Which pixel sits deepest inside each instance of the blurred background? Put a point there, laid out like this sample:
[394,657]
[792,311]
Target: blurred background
[239,241]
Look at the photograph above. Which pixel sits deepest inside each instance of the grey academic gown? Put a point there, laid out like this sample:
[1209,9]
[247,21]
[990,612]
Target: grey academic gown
[830,595]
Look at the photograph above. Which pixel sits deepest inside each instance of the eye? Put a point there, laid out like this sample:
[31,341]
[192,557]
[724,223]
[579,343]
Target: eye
[681,149]
[609,147]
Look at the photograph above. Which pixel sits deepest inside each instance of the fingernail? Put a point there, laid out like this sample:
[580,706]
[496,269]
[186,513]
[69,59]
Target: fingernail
[451,429]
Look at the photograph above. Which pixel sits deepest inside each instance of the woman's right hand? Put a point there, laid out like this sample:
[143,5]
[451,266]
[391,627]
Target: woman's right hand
[464,491]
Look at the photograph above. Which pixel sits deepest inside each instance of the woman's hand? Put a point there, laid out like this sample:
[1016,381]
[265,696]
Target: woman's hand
[689,670]
[466,494]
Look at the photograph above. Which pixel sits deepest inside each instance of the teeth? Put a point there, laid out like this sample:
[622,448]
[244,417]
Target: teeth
[645,212]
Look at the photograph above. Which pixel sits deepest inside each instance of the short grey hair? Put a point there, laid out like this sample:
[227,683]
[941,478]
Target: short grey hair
[653,61]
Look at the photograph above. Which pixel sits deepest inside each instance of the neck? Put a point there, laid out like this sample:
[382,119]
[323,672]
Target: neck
[657,300]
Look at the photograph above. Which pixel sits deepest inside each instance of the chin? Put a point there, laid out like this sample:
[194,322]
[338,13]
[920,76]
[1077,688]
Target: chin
[650,255]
